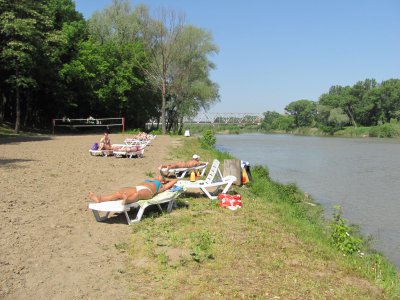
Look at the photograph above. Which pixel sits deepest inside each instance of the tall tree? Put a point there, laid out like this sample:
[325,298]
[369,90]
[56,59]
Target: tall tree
[303,111]
[160,39]
[191,90]
[23,25]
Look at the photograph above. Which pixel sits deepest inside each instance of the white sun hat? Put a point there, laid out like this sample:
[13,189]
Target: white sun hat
[195,156]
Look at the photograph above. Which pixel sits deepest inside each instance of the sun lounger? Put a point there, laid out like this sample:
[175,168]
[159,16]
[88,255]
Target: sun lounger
[182,172]
[123,150]
[214,181]
[109,207]
[134,142]
[100,152]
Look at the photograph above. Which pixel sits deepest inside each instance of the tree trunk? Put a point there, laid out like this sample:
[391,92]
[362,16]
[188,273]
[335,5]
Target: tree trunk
[3,107]
[163,121]
[180,125]
[27,112]
[351,117]
[17,110]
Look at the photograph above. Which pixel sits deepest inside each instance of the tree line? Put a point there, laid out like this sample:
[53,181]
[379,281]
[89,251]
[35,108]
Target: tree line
[366,103]
[123,61]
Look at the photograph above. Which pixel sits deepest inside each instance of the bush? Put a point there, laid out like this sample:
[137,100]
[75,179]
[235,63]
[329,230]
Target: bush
[208,138]
[386,130]
[342,235]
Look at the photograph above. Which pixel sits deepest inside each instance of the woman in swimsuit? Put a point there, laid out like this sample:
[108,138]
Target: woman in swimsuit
[143,191]
[105,142]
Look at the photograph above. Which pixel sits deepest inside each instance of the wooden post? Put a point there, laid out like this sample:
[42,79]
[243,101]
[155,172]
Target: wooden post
[233,167]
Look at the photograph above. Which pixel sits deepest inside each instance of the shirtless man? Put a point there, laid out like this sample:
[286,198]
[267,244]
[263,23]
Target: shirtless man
[194,162]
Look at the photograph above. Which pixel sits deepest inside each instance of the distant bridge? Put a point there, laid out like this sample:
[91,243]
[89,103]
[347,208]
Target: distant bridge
[207,118]
[226,118]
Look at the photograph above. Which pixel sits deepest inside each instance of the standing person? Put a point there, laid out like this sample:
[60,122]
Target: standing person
[144,190]
[105,142]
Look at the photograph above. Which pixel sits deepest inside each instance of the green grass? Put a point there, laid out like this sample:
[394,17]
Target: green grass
[277,245]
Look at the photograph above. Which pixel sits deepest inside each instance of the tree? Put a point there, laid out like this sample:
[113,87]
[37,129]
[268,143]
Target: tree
[341,97]
[160,36]
[191,90]
[285,123]
[269,118]
[390,98]
[338,117]
[22,33]
[303,111]
[36,38]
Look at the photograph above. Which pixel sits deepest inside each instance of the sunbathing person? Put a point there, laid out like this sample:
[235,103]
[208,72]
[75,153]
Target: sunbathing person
[126,148]
[105,142]
[144,190]
[194,162]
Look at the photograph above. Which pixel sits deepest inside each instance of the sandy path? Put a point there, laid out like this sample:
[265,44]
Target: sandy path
[50,244]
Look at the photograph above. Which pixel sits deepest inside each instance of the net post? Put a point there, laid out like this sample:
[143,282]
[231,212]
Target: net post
[123,125]
[54,125]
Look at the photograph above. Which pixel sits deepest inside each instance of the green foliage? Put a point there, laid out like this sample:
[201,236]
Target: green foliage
[150,174]
[342,235]
[387,130]
[202,248]
[366,103]
[303,111]
[208,139]
[123,246]
[260,171]
[156,131]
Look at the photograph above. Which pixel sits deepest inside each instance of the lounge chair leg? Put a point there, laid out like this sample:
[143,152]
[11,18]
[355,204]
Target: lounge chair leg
[208,193]
[98,217]
[226,188]
[171,204]
[139,214]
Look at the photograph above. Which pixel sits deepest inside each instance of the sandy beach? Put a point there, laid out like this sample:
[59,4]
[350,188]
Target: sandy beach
[51,246]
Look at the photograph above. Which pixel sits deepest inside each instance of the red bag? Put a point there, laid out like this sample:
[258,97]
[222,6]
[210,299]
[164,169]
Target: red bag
[230,201]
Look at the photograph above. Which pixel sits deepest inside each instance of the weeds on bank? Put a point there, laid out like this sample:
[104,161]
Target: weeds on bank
[277,245]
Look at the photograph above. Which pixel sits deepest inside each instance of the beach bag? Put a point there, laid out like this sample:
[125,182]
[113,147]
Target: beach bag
[232,202]
[95,146]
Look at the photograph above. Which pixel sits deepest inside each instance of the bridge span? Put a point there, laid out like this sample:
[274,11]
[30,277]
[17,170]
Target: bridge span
[226,118]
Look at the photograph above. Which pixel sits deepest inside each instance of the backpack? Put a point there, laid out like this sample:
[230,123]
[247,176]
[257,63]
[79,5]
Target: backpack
[95,146]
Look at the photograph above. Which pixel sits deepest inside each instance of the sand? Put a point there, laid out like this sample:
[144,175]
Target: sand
[51,247]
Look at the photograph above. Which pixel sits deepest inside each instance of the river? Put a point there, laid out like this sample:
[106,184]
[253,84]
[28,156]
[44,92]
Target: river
[360,175]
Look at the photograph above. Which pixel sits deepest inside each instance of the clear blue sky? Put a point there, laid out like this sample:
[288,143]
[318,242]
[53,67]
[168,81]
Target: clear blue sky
[274,52]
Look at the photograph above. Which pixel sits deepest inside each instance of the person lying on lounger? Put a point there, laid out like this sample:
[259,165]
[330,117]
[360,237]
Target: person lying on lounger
[194,162]
[143,191]
[125,148]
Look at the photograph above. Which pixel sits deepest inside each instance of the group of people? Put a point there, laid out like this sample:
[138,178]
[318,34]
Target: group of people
[105,144]
[149,187]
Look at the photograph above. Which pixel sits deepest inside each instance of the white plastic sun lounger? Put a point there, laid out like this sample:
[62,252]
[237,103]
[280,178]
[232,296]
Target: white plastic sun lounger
[117,207]
[129,141]
[214,180]
[126,151]
[182,172]
[100,152]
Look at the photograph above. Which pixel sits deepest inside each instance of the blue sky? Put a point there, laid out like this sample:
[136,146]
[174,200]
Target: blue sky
[274,52]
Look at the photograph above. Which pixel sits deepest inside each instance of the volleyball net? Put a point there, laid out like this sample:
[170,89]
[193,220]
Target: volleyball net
[105,123]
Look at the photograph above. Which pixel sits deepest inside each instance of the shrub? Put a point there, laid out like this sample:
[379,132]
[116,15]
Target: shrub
[342,235]
[384,131]
[208,138]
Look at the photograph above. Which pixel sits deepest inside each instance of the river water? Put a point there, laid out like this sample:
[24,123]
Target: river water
[360,175]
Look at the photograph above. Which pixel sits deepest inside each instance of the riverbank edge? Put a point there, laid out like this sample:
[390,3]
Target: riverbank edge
[303,218]
[387,130]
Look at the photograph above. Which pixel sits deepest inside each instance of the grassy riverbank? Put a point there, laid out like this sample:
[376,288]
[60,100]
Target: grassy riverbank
[277,245]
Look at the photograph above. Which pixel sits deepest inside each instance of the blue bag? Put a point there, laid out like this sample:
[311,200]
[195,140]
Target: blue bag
[95,146]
